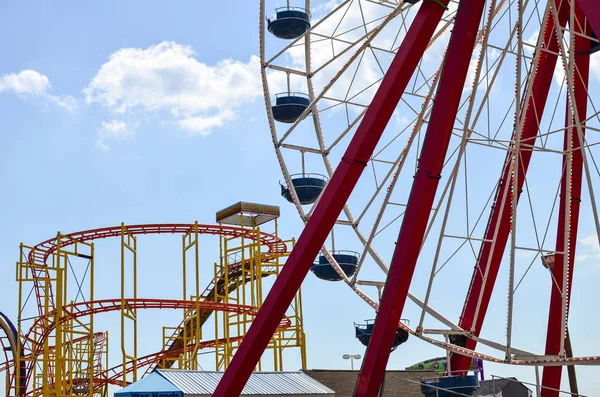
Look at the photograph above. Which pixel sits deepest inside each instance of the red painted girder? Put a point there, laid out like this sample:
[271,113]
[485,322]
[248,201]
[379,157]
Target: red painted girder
[420,203]
[493,248]
[332,200]
[591,9]
[551,377]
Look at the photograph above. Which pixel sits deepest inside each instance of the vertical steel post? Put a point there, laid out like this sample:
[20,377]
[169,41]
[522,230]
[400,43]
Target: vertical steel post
[333,198]
[424,188]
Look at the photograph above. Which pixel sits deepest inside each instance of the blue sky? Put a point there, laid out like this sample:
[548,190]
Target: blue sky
[56,176]
[91,138]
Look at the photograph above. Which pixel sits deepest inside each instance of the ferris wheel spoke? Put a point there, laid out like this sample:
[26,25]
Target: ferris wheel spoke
[335,57]
[315,100]
[299,39]
[288,70]
[400,164]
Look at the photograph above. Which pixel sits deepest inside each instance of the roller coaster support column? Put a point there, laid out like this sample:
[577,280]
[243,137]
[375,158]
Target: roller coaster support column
[499,225]
[418,210]
[128,314]
[192,328]
[333,198]
[570,201]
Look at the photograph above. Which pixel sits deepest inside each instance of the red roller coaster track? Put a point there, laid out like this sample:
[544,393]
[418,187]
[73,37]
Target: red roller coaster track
[82,309]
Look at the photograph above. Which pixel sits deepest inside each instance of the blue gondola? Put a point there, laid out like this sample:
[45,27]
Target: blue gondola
[289,106]
[348,261]
[449,386]
[308,187]
[363,334]
[289,22]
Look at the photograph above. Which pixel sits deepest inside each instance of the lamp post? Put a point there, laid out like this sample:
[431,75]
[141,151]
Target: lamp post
[351,357]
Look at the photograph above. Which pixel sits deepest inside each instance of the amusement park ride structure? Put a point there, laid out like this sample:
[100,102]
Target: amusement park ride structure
[468,179]
[62,354]
[442,67]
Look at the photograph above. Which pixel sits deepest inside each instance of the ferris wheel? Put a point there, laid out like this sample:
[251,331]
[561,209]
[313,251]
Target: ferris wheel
[458,142]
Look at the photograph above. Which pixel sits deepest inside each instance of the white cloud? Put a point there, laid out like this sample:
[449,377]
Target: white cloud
[595,67]
[31,84]
[114,130]
[473,63]
[167,77]
[204,124]
[589,250]
[102,146]
[28,82]
[117,129]
[559,72]
[532,42]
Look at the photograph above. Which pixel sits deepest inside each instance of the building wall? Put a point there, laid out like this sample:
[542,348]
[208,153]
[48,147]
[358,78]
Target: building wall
[396,384]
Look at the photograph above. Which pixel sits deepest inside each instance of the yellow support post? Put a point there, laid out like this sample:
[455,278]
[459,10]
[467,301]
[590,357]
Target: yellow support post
[244,263]
[192,327]
[128,243]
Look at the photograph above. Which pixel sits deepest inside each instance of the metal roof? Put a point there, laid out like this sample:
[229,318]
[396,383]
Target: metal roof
[247,214]
[269,383]
[151,383]
[491,386]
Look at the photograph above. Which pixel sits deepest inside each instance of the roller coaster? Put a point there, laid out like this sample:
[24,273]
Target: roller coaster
[61,353]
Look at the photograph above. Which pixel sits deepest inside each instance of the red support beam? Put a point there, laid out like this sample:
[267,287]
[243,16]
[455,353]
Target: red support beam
[333,199]
[552,375]
[499,225]
[591,10]
[418,210]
